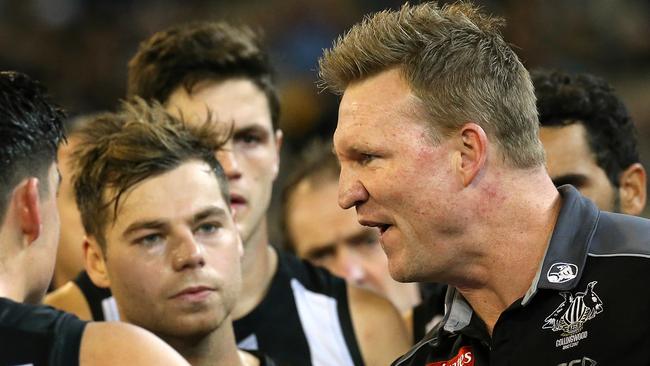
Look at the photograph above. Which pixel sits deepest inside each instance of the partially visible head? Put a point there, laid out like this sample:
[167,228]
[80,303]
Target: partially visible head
[457,66]
[590,140]
[318,230]
[69,256]
[221,70]
[154,204]
[187,54]
[30,131]
[435,107]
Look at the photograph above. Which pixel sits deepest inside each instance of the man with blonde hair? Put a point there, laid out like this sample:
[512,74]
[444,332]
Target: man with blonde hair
[438,142]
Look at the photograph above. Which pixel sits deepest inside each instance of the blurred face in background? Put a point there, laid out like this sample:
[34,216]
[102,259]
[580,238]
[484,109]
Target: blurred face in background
[569,160]
[69,257]
[251,157]
[329,236]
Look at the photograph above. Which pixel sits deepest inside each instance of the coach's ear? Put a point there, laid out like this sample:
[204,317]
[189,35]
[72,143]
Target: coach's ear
[95,263]
[473,152]
[28,207]
[632,189]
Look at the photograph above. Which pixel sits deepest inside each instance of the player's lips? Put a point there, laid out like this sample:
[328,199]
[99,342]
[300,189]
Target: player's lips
[193,293]
[237,201]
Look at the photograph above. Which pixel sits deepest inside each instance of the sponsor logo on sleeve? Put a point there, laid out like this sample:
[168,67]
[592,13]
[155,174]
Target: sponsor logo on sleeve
[571,315]
[585,361]
[562,272]
[465,357]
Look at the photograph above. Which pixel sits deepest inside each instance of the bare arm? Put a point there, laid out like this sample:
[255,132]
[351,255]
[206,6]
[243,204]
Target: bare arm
[115,343]
[380,329]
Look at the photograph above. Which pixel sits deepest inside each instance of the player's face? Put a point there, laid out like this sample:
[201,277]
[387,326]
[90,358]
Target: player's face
[173,254]
[251,157]
[396,177]
[69,258]
[331,237]
[569,160]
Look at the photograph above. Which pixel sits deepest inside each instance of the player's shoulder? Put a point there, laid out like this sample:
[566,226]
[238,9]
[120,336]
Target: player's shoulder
[302,274]
[136,346]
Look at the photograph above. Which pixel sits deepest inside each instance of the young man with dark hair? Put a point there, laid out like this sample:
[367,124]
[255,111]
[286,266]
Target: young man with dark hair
[31,129]
[438,141]
[154,204]
[590,140]
[290,310]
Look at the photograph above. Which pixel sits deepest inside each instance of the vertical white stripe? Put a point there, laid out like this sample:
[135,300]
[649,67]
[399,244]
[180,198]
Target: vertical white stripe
[320,322]
[109,307]
[249,343]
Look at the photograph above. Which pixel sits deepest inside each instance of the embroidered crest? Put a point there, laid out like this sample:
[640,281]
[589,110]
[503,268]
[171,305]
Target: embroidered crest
[574,311]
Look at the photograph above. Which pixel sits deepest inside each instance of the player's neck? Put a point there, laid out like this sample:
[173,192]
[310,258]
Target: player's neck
[216,349]
[515,241]
[258,267]
[12,281]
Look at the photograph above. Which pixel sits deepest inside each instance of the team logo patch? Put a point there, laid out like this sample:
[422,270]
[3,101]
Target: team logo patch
[562,272]
[465,357]
[571,315]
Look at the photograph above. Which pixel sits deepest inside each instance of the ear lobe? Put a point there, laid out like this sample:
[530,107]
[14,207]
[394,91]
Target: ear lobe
[632,189]
[29,209]
[95,263]
[473,152]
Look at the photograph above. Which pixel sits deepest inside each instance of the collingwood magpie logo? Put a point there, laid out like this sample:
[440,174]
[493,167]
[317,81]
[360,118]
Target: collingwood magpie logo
[570,317]
[562,272]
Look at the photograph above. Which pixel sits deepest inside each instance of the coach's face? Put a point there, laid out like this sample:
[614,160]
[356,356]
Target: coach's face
[172,254]
[396,177]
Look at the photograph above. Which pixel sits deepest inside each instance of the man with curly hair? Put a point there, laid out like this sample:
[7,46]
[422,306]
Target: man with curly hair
[590,140]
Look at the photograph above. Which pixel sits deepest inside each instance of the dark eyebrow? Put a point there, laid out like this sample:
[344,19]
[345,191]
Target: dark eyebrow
[315,252]
[208,212]
[144,224]
[576,180]
[159,224]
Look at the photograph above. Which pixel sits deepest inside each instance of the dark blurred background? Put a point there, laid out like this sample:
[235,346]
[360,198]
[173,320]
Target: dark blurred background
[79,48]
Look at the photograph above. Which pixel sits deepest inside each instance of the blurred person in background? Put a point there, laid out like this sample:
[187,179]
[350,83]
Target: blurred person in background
[590,140]
[71,283]
[318,230]
[31,130]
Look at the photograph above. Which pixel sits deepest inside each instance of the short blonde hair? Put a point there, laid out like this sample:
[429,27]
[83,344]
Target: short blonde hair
[456,62]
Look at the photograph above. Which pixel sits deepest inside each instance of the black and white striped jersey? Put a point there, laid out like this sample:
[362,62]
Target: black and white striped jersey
[588,305]
[303,320]
[38,335]
[100,301]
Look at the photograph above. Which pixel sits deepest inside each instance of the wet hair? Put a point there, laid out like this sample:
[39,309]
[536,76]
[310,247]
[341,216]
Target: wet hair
[455,62]
[190,53]
[116,151]
[317,165]
[565,99]
[31,127]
